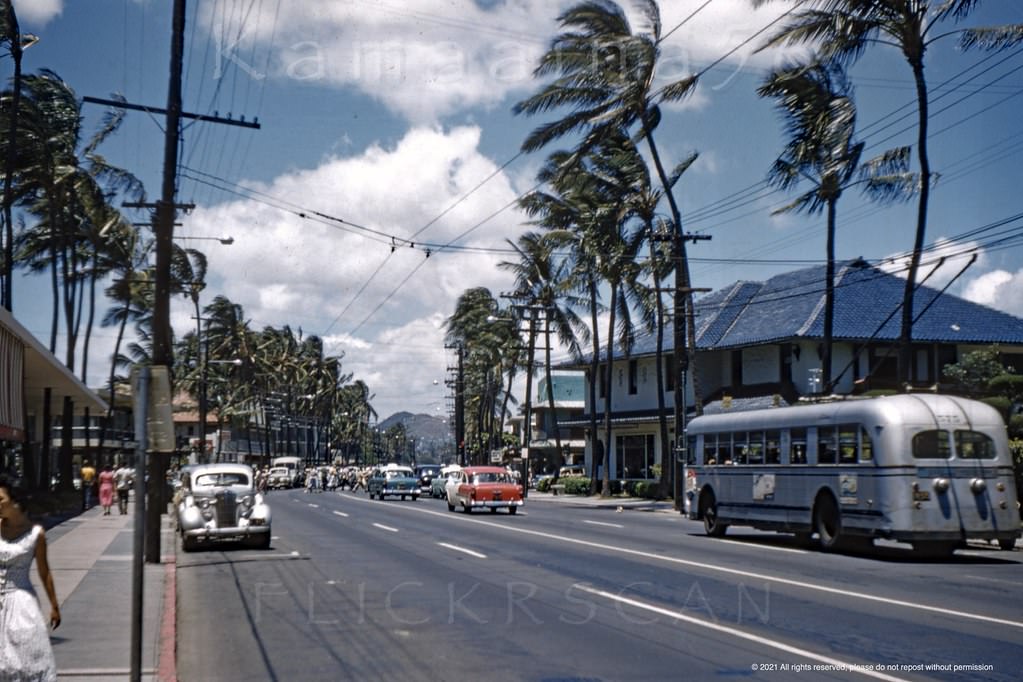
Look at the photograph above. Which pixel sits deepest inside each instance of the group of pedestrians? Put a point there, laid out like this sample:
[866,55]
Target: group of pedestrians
[110,482]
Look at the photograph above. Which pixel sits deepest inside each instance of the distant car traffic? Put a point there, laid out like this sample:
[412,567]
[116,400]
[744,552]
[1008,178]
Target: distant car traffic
[280,477]
[395,480]
[483,487]
[426,474]
[219,502]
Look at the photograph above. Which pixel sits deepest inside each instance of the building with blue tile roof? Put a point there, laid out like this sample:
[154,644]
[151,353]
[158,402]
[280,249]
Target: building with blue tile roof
[761,343]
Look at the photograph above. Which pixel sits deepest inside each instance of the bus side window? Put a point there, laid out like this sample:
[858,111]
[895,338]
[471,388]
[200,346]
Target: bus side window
[848,447]
[691,451]
[710,448]
[866,446]
[740,448]
[797,453]
[772,449]
[826,451]
[756,448]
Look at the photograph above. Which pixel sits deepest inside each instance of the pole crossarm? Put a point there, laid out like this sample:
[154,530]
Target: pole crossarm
[254,123]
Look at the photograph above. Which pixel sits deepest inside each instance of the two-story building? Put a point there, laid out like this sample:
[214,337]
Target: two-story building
[761,344]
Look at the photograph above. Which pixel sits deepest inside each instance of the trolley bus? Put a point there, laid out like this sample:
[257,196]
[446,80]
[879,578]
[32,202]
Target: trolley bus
[930,470]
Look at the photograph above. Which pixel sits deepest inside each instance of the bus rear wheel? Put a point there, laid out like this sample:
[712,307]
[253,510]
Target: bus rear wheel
[827,522]
[712,525]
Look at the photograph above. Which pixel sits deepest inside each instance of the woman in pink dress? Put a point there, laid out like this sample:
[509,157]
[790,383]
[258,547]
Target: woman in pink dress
[106,489]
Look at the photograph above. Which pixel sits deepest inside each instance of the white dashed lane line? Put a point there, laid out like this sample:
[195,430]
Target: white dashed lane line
[463,550]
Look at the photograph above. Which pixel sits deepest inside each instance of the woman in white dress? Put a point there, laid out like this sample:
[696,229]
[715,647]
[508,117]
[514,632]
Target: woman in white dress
[25,651]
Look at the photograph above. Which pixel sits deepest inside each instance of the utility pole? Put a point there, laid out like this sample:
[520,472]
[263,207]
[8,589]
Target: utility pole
[680,354]
[459,385]
[166,210]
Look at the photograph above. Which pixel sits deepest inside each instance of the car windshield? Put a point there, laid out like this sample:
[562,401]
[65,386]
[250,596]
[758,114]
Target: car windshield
[398,473]
[491,477]
[221,478]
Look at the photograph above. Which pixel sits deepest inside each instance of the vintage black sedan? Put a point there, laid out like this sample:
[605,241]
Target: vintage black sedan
[219,502]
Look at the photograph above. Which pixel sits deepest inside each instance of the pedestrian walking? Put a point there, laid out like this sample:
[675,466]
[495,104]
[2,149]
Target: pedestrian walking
[25,649]
[88,476]
[106,489]
[123,480]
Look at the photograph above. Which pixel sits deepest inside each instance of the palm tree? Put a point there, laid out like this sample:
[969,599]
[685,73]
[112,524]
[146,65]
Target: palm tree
[604,73]
[11,34]
[488,338]
[542,281]
[843,30]
[820,120]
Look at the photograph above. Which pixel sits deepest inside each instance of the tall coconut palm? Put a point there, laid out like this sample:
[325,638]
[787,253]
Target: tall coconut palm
[10,32]
[542,282]
[820,119]
[488,338]
[604,74]
[843,30]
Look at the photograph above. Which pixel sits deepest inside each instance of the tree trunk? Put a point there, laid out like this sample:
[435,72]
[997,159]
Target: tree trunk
[906,331]
[593,379]
[667,457]
[605,478]
[550,393]
[829,297]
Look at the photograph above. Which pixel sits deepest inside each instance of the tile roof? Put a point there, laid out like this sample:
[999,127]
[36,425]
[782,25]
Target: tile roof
[867,306]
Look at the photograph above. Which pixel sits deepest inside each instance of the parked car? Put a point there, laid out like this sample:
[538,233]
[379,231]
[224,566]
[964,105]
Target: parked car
[572,470]
[485,487]
[219,502]
[280,477]
[393,479]
[426,474]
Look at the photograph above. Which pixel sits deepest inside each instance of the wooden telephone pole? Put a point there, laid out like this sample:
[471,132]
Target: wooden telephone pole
[161,430]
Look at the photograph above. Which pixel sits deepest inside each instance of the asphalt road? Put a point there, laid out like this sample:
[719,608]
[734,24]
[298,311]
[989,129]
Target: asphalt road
[354,589]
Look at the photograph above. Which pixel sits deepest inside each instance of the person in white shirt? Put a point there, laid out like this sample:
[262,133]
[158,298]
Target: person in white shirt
[124,477]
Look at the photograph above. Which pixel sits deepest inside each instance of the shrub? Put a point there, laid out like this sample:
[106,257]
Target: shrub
[544,485]
[1016,427]
[576,485]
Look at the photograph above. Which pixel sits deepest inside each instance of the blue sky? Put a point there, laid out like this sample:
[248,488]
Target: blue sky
[390,115]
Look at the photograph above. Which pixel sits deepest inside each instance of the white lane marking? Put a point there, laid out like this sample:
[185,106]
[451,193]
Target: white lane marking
[463,550]
[758,546]
[601,523]
[733,632]
[721,569]
[314,506]
[383,527]
[341,514]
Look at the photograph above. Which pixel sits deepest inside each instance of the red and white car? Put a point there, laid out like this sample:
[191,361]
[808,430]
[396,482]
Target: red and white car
[483,487]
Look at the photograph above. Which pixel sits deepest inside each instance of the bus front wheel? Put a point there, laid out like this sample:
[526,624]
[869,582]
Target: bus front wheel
[712,525]
[827,522]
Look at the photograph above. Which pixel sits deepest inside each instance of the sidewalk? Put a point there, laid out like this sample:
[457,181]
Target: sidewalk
[90,557]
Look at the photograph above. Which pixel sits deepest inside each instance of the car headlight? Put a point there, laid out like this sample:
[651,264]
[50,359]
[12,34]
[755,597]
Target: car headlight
[206,508]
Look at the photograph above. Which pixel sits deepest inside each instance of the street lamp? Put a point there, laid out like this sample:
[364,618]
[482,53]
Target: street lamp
[226,241]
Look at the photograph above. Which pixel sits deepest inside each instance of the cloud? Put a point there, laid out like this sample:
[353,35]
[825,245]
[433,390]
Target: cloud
[997,289]
[425,60]
[37,13]
[946,258]
[383,309]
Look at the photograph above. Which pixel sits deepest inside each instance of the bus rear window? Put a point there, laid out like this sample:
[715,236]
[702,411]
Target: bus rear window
[974,445]
[931,445]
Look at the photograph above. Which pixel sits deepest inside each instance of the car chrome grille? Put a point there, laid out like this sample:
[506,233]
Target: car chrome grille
[227,505]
